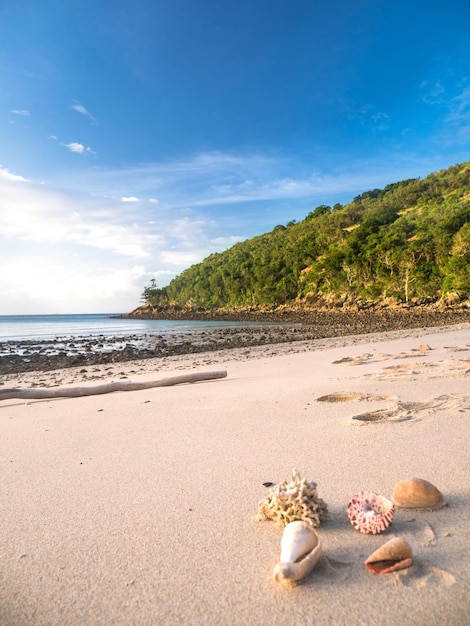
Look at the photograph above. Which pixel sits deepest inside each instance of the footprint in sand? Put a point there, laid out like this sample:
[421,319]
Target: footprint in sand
[334,570]
[427,537]
[447,368]
[398,412]
[456,348]
[404,411]
[421,575]
[355,360]
[420,532]
[361,359]
[352,396]
[422,349]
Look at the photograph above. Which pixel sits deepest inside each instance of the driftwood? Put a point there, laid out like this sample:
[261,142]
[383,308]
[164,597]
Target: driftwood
[78,392]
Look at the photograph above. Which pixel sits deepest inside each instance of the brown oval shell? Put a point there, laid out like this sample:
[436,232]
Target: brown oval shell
[393,556]
[416,493]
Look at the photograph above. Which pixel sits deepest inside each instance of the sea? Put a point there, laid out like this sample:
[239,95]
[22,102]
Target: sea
[54,332]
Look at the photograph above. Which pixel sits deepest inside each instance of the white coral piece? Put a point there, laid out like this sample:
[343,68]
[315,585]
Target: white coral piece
[296,500]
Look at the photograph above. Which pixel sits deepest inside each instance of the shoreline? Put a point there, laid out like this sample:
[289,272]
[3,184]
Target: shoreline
[31,355]
[217,357]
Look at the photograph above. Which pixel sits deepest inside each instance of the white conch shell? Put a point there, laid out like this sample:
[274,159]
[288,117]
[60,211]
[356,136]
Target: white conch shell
[300,550]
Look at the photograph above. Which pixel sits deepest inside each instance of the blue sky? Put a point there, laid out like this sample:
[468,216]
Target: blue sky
[139,136]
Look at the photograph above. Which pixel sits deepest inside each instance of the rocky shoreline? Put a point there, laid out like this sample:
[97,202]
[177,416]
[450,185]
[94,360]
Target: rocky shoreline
[306,312]
[291,325]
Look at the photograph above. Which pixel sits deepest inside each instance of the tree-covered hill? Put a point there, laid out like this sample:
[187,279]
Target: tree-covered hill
[410,240]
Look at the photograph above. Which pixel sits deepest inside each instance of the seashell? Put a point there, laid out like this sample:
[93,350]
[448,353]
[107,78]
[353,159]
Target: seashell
[416,493]
[394,555]
[300,550]
[370,513]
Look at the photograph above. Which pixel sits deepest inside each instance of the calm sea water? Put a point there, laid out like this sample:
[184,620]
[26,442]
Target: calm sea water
[44,327]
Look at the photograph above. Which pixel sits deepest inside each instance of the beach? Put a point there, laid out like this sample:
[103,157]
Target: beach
[141,507]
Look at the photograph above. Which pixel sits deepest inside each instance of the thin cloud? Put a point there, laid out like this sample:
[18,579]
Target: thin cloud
[458,118]
[367,116]
[451,93]
[460,107]
[433,93]
[129,199]
[83,111]
[210,182]
[22,112]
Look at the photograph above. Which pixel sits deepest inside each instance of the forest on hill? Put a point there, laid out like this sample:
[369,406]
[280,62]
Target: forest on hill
[408,241]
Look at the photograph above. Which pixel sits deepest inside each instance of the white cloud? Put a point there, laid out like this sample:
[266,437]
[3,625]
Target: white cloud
[4,173]
[78,148]
[39,213]
[64,251]
[83,111]
[48,285]
[129,199]
[22,112]
[80,108]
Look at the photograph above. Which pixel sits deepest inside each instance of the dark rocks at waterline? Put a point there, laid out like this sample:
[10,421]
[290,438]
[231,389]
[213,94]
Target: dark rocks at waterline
[156,346]
[320,325]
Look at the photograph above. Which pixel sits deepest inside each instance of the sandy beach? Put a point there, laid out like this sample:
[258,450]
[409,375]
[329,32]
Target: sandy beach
[140,507]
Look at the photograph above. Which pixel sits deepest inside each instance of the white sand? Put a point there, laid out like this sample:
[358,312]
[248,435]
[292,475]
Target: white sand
[140,508]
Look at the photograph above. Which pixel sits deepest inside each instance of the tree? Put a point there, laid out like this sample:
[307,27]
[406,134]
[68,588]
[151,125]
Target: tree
[153,295]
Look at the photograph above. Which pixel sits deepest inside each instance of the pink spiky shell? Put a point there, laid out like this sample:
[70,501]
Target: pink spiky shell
[370,513]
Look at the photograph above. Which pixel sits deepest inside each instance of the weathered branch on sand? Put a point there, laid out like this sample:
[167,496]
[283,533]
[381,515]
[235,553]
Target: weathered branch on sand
[78,392]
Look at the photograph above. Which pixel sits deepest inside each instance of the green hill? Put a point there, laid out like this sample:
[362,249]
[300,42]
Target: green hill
[410,240]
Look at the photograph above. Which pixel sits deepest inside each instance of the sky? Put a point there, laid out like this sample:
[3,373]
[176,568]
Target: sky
[139,136]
